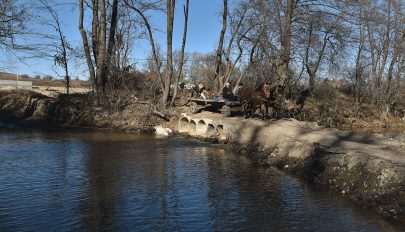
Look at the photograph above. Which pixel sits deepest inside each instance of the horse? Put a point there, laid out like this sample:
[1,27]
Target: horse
[255,99]
[276,96]
[276,99]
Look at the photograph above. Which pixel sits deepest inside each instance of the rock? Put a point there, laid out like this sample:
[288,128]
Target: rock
[163,132]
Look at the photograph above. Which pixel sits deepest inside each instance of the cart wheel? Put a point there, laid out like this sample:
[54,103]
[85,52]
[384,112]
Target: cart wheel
[249,113]
[226,111]
[193,107]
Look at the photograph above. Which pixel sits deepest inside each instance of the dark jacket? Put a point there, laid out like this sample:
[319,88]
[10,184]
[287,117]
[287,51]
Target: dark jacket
[227,93]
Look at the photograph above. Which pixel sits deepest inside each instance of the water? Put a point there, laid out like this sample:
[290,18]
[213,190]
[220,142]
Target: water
[101,181]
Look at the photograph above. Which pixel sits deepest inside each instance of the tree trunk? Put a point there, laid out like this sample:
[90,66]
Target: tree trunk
[111,41]
[358,68]
[101,61]
[283,67]
[315,66]
[170,6]
[183,45]
[230,66]
[373,50]
[396,56]
[386,46]
[95,29]
[218,59]
[65,64]
[86,46]
[252,51]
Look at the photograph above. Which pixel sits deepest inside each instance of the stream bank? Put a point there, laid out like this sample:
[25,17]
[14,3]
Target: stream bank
[77,110]
[370,169]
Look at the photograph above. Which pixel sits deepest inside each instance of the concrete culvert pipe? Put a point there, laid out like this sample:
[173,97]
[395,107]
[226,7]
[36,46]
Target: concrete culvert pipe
[211,134]
[192,128]
[184,125]
[201,129]
[223,135]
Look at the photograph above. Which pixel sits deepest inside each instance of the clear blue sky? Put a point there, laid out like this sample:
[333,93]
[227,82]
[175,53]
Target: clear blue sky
[203,32]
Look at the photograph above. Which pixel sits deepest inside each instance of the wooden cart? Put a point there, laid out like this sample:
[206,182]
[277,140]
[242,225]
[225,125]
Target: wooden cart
[225,107]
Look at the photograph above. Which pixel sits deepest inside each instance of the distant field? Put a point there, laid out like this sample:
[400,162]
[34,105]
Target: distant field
[47,83]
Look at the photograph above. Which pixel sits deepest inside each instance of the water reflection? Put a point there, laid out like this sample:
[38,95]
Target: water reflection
[40,181]
[93,181]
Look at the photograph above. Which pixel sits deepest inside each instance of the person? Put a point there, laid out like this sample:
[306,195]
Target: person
[201,91]
[181,85]
[240,86]
[227,93]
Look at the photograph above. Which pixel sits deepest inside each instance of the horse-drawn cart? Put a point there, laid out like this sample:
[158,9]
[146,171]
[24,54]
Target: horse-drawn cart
[225,107]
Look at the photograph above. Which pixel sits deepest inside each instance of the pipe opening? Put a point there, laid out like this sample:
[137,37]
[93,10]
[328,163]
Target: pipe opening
[222,134]
[201,129]
[183,125]
[211,134]
[192,128]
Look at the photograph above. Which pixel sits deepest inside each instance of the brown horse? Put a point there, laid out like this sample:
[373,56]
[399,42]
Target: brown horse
[255,99]
[276,96]
[276,100]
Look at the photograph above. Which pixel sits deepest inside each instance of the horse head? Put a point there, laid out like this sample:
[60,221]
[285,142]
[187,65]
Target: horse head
[277,92]
[266,90]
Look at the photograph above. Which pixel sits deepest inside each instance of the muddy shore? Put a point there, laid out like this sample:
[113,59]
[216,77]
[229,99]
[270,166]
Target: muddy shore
[370,169]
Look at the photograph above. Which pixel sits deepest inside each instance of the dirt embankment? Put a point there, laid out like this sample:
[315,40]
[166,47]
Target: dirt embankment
[370,169]
[76,110]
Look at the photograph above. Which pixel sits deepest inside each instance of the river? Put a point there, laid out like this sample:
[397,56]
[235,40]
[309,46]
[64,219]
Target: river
[80,180]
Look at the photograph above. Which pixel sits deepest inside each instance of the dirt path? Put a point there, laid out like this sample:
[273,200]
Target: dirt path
[267,133]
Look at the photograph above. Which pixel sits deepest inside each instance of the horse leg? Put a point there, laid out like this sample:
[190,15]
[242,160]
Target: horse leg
[246,112]
[247,109]
[263,110]
[250,111]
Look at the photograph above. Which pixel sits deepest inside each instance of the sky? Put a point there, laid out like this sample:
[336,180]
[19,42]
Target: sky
[203,31]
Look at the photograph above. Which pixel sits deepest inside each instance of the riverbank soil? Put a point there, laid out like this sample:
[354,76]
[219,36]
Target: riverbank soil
[77,110]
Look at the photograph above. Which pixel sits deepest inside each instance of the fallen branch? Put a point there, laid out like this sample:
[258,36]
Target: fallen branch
[144,102]
[161,115]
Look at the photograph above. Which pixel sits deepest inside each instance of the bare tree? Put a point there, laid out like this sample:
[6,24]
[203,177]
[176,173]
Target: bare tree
[218,59]
[129,29]
[101,48]
[286,37]
[155,54]
[86,46]
[170,7]
[200,70]
[13,18]
[398,40]
[324,35]
[183,45]
[101,52]
[237,34]
[61,56]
